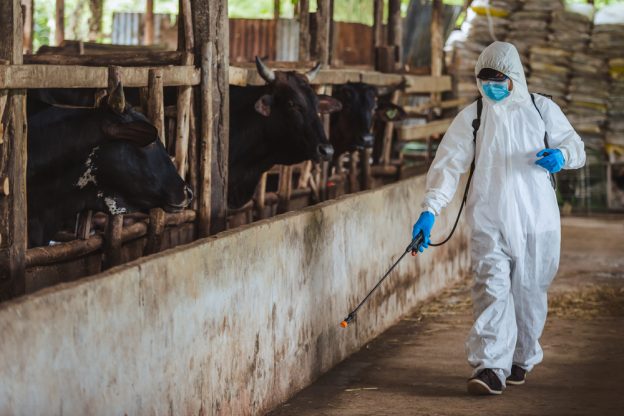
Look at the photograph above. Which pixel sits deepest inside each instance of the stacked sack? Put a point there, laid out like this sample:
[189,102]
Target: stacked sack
[484,24]
[615,132]
[571,29]
[550,70]
[588,96]
[529,26]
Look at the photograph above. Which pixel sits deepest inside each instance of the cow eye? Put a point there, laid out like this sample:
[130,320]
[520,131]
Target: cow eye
[291,104]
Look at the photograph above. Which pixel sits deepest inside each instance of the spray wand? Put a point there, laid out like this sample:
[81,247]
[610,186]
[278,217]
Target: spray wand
[413,248]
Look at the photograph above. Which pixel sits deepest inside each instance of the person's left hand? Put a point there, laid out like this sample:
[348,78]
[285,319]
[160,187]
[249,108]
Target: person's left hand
[551,159]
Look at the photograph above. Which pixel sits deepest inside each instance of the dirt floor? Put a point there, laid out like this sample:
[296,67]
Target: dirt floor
[418,367]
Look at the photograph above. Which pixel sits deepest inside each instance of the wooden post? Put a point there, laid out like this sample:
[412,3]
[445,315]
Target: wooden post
[13,210]
[277,9]
[394,29]
[387,137]
[27,11]
[323,19]
[261,196]
[155,229]
[113,241]
[284,189]
[436,45]
[83,226]
[184,104]
[149,23]
[210,22]
[378,9]
[366,178]
[304,30]
[59,29]
[155,102]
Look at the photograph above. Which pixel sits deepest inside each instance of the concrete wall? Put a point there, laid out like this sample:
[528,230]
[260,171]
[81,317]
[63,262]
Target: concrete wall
[227,325]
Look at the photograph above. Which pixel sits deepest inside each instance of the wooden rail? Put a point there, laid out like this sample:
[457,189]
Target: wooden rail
[243,76]
[423,131]
[70,76]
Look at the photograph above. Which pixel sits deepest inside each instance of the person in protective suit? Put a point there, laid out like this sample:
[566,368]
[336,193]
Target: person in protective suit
[512,212]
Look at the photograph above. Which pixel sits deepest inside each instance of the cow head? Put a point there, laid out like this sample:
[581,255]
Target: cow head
[361,103]
[130,168]
[292,108]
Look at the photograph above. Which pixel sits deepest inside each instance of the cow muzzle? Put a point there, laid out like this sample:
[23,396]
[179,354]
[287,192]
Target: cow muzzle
[325,151]
[367,141]
[188,197]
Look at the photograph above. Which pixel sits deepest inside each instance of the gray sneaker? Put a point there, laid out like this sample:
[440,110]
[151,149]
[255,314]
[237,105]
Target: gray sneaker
[517,376]
[486,382]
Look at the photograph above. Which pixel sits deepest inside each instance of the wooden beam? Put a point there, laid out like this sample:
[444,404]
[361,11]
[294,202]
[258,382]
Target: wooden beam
[155,229]
[13,210]
[323,24]
[423,131]
[427,84]
[61,76]
[130,59]
[249,76]
[210,21]
[304,30]
[59,28]
[437,44]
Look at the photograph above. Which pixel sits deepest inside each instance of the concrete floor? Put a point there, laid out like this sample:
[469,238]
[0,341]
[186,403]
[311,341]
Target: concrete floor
[418,367]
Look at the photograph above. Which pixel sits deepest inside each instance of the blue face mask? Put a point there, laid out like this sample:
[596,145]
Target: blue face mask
[496,91]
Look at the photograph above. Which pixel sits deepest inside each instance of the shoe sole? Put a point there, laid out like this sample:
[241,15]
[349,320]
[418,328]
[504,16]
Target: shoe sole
[479,388]
[515,383]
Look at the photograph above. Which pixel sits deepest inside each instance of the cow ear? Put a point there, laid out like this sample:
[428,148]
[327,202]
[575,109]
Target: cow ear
[328,104]
[263,105]
[138,132]
[391,112]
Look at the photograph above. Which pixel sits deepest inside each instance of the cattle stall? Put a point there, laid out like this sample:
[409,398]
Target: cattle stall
[195,130]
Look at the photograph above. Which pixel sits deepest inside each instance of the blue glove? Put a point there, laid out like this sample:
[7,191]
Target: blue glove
[552,160]
[424,224]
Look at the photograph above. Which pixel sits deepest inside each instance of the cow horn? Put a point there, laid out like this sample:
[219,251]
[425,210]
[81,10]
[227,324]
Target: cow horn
[267,74]
[311,74]
[117,100]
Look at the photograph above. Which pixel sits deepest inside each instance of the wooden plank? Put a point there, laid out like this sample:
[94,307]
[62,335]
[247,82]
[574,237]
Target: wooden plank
[427,84]
[419,110]
[130,59]
[304,30]
[60,76]
[13,219]
[423,131]
[243,76]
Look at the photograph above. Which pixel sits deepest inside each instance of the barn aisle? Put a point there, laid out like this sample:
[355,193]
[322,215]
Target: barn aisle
[418,366]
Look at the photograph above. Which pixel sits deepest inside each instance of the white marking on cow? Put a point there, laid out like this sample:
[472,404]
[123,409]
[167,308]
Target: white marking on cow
[112,206]
[89,175]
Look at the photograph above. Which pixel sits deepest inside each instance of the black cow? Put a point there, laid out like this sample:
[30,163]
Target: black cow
[277,123]
[107,159]
[361,106]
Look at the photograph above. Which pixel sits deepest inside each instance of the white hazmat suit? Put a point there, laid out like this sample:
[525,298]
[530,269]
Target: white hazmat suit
[511,209]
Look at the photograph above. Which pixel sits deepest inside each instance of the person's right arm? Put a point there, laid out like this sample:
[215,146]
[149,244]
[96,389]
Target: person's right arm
[453,159]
